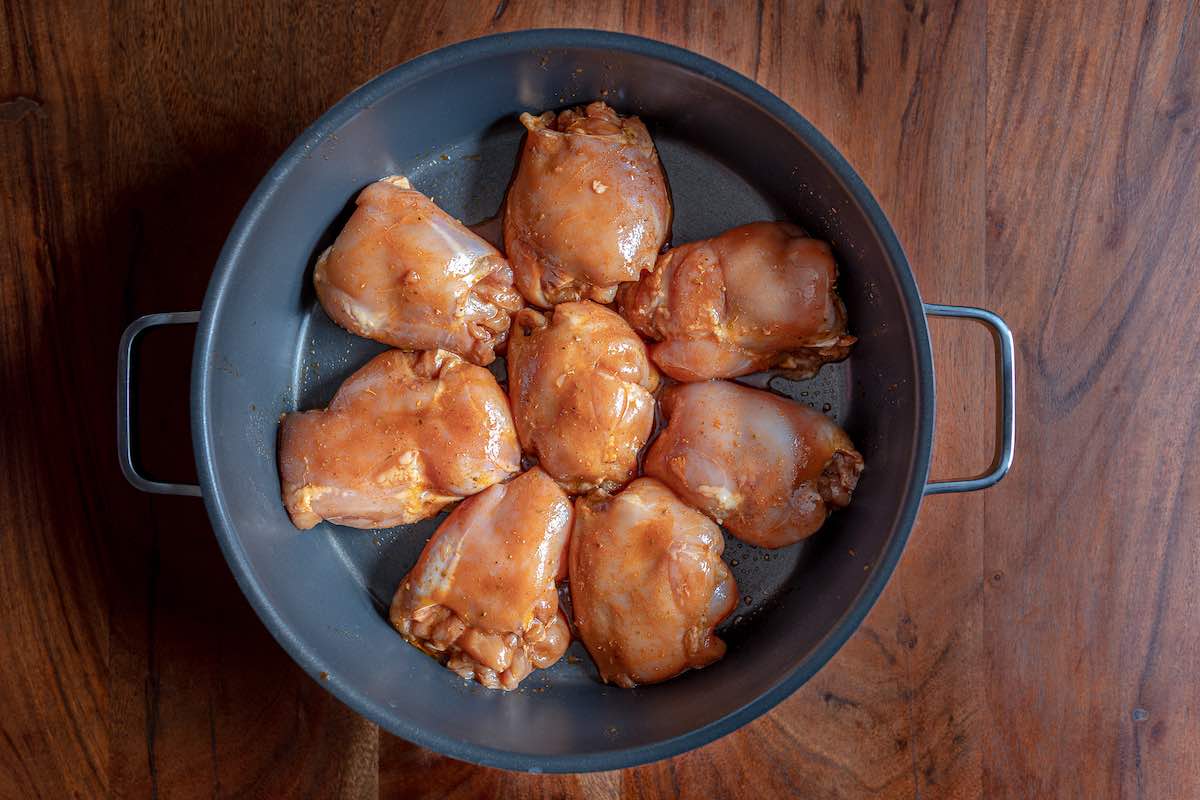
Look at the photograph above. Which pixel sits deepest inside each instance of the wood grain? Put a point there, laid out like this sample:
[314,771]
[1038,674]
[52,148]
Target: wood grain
[1040,159]
[1092,640]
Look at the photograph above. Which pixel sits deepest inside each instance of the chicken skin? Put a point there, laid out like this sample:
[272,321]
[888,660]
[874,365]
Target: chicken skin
[767,468]
[405,435]
[648,585]
[759,296]
[481,598]
[406,273]
[581,388]
[588,208]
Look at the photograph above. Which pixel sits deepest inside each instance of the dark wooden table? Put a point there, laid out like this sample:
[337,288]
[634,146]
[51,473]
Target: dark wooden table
[1039,159]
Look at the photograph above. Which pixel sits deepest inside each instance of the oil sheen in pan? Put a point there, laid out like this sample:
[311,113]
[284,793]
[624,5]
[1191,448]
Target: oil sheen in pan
[469,179]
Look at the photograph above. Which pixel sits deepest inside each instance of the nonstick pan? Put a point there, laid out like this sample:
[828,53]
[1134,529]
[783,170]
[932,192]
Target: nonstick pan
[733,153]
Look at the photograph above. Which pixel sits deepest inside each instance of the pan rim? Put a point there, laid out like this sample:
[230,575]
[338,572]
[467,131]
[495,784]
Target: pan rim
[203,435]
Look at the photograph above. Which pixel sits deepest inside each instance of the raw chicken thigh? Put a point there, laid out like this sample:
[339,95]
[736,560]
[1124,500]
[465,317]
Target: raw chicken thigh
[758,296]
[767,468]
[581,389]
[481,598]
[588,208]
[648,585]
[406,273]
[405,435]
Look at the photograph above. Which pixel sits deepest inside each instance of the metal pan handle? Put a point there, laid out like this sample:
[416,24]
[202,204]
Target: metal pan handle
[125,367]
[1006,408]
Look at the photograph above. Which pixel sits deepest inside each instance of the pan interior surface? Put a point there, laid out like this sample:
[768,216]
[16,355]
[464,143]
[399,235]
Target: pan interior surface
[448,122]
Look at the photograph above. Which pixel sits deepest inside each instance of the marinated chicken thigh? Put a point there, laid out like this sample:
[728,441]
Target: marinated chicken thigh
[588,208]
[406,273]
[581,389]
[648,585]
[405,435]
[758,296]
[767,468]
[481,598]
